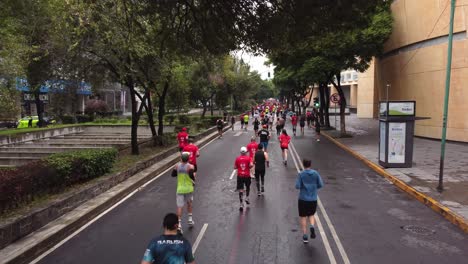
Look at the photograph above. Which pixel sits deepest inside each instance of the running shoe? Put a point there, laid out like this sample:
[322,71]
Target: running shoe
[305,239]
[318,139]
[259,193]
[263,189]
[247,201]
[191,223]
[241,208]
[312,232]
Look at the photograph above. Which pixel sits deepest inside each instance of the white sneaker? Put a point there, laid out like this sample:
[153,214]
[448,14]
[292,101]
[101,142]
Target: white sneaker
[191,223]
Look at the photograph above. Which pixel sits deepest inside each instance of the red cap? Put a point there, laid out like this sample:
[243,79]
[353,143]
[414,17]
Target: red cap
[184,129]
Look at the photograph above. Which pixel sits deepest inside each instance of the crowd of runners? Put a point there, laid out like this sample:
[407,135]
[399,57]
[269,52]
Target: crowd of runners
[252,163]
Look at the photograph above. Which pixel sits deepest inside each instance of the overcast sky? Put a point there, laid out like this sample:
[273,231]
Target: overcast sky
[257,63]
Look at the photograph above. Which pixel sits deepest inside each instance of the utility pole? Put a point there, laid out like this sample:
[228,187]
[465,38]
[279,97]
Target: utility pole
[440,188]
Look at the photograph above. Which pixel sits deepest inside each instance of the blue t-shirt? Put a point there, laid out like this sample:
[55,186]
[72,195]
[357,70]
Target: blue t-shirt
[308,182]
[169,249]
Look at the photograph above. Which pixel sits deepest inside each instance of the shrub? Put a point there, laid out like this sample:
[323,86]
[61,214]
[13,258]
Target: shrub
[24,183]
[96,106]
[78,166]
[184,120]
[68,119]
[84,118]
[169,119]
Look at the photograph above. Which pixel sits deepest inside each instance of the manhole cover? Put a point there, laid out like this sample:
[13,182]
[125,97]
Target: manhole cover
[420,230]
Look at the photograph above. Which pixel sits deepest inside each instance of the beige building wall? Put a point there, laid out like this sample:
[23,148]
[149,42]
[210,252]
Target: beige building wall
[366,103]
[414,65]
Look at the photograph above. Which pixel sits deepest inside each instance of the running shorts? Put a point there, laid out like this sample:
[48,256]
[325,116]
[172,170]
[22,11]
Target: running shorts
[307,208]
[195,168]
[283,148]
[264,144]
[243,182]
[181,199]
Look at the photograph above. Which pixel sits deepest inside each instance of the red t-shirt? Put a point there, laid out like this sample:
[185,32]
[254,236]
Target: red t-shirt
[294,120]
[242,165]
[252,147]
[182,137]
[192,149]
[284,140]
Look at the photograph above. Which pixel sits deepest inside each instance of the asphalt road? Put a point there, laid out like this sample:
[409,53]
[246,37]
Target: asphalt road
[363,218]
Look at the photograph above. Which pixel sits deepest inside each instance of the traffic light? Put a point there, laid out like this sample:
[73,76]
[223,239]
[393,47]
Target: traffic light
[316,102]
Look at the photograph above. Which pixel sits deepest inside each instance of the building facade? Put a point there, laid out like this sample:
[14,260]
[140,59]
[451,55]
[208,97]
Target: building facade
[413,67]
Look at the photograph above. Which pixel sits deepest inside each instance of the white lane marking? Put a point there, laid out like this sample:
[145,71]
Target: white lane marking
[326,243]
[43,255]
[199,238]
[95,219]
[238,133]
[232,174]
[329,223]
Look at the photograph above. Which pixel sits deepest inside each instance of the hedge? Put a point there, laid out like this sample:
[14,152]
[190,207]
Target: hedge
[50,175]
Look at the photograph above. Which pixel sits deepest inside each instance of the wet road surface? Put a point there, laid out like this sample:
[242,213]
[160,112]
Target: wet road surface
[362,217]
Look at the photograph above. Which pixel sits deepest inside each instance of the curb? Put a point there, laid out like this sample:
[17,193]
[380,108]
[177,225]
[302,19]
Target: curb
[48,242]
[423,198]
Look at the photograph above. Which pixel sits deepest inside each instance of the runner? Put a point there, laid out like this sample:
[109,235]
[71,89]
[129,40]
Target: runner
[309,119]
[256,124]
[308,182]
[270,121]
[260,159]
[246,121]
[169,247]
[284,140]
[182,137]
[242,121]
[220,125]
[252,147]
[194,153]
[317,128]
[302,121]
[294,123]
[233,121]
[264,135]
[184,172]
[243,164]
[278,127]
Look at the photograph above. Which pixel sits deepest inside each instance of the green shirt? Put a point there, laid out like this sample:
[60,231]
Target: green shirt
[184,182]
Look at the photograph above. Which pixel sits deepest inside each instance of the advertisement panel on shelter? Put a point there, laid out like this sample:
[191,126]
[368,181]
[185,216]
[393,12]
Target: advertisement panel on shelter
[382,145]
[401,108]
[396,142]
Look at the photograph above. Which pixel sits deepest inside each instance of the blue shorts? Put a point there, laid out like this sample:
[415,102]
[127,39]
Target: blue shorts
[265,144]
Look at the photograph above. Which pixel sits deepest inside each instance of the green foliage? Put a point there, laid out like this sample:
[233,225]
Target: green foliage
[9,103]
[68,119]
[82,165]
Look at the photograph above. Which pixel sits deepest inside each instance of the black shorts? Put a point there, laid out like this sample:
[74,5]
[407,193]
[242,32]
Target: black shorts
[243,182]
[307,208]
[181,148]
[220,128]
[302,124]
[283,148]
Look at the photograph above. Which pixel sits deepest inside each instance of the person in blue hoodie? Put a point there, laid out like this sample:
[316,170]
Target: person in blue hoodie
[308,182]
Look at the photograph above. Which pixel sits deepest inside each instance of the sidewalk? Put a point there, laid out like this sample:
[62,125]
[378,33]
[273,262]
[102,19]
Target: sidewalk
[424,174]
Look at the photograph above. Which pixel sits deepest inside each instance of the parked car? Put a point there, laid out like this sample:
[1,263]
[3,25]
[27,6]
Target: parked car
[25,121]
[8,123]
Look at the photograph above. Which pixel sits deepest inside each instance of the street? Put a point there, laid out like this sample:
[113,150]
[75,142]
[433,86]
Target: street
[362,218]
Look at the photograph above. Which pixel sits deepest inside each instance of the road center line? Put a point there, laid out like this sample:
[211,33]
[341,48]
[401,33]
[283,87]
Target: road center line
[232,174]
[52,249]
[199,237]
[331,257]
[238,133]
[328,221]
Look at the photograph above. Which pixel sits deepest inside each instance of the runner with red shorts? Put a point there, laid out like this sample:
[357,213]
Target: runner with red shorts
[294,123]
[182,138]
[284,140]
[194,153]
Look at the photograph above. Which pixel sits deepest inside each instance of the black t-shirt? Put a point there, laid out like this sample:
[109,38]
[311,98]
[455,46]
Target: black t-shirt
[263,135]
[220,123]
[259,160]
[256,123]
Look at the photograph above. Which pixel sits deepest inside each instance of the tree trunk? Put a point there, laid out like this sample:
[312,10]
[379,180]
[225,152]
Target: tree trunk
[161,107]
[308,101]
[149,112]
[39,108]
[322,104]
[211,105]
[342,106]
[135,118]
[327,105]
[205,108]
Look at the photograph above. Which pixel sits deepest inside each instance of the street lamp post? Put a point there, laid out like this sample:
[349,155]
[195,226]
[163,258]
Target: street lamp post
[440,188]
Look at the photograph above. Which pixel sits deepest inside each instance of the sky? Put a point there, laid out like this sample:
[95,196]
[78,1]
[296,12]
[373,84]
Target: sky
[257,64]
